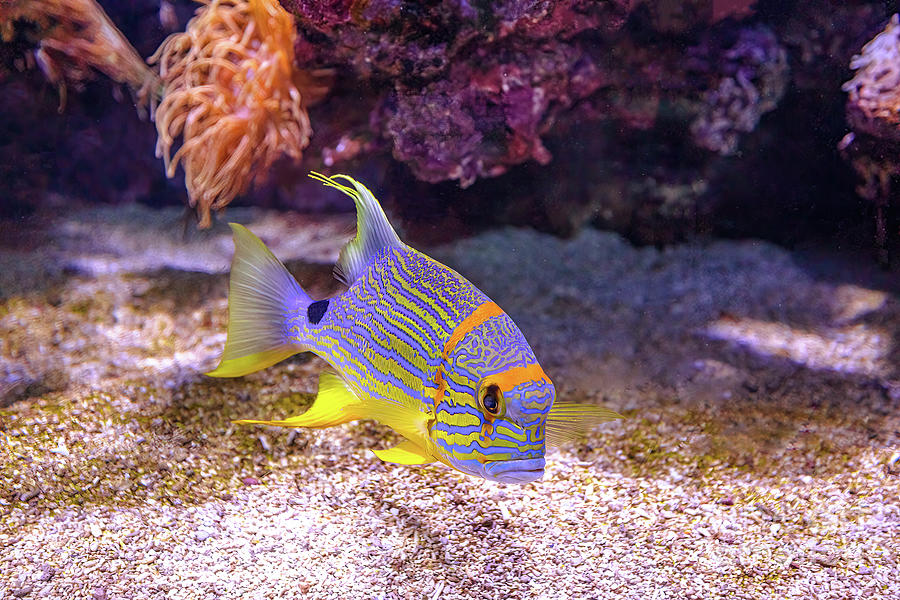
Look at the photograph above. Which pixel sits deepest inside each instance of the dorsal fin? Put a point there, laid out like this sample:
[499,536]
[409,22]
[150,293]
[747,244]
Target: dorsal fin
[373,231]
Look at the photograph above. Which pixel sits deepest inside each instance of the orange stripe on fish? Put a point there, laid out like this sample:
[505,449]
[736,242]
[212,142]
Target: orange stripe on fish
[441,386]
[509,379]
[481,314]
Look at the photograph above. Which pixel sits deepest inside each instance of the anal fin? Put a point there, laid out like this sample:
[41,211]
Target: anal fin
[404,453]
[335,404]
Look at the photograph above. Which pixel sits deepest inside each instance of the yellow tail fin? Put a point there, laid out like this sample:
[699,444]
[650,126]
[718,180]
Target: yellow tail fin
[261,297]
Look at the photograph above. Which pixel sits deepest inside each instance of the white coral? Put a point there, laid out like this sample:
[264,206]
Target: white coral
[736,105]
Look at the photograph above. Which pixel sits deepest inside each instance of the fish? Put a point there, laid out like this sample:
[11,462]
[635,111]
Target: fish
[411,344]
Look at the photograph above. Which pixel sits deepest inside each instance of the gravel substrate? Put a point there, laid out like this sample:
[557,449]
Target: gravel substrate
[760,456]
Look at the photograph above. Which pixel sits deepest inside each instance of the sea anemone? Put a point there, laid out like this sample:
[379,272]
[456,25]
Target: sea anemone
[873,95]
[232,93]
[74,37]
[873,112]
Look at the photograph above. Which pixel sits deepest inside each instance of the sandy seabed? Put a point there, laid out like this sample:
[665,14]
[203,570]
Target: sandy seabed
[760,456]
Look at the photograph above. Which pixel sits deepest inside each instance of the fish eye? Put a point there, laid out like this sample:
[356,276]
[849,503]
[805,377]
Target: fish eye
[490,400]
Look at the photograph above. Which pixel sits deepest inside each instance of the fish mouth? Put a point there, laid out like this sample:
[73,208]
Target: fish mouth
[514,471]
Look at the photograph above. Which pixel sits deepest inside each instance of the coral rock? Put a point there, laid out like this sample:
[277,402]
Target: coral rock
[477,123]
[465,89]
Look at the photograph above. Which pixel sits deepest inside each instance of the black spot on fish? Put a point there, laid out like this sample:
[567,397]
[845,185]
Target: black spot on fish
[316,310]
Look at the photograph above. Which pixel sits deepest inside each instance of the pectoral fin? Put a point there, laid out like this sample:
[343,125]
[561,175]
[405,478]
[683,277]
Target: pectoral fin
[570,421]
[335,404]
[404,453]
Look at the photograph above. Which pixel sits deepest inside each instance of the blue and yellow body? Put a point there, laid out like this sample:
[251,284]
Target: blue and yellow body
[414,345]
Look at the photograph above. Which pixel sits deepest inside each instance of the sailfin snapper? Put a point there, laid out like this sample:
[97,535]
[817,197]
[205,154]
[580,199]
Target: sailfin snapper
[414,346]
